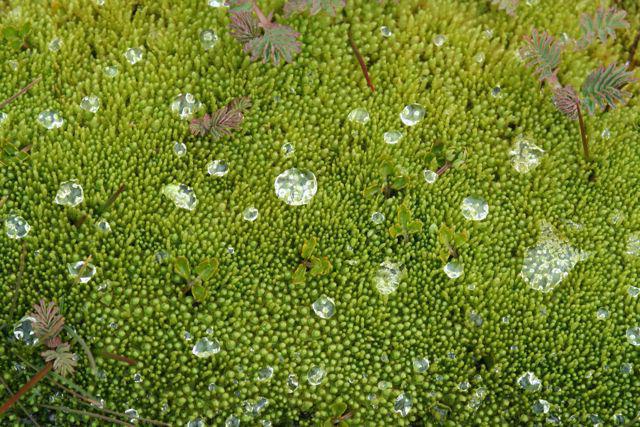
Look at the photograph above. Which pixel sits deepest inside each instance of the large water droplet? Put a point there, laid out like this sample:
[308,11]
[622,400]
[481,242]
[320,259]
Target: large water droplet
[541,406]
[217,168]
[359,115]
[185,105]
[181,195]
[50,119]
[90,103]
[250,214]
[412,114]
[16,227]
[208,38]
[392,137]
[232,421]
[315,375]
[525,155]
[633,335]
[82,271]
[296,187]
[474,208]
[453,269]
[377,218]
[403,404]
[179,149]
[23,331]
[388,277]
[633,244]
[529,382]
[70,193]
[133,55]
[206,348]
[421,364]
[265,373]
[324,307]
[429,176]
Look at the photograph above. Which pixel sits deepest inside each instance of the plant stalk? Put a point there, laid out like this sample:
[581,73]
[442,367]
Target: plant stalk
[19,93]
[25,388]
[88,414]
[583,134]
[22,408]
[117,357]
[360,59]
[632,51]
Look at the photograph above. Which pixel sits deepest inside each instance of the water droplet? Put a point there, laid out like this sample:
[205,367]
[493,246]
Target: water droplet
[196,423]
[70,194]
[619,419]
[181,195]
[187,336]
[82,271]
[412,114]
[359,115]
[287,149]
[55,44]
[179,149]
[532,2]
[324,307]
[541,406]
[488,33]
[205,348]
[231,421]
[208,38]
[626,368]
[315,375]
[384,385]
[250,214]
[161,256]
[633,335]
[218,168]
[3,117]
[296,187]
[185,105]
[429,176]
[265,373]
[377,218]
[137,377]
[479,57]
[464,386]
[602,313]
[496,92]
[292,382]
[476,318]
[474,208]
[525,155]
[266,423]
[421,364]
[550,261]
[606,133]
[103,225]
[102,286]
[529,382]
[403,404]
[230,250]
[439,39]
[385,31]
[23,331]
[392,137]
[212,387]
[633,244]
[388,277]
[453,269]
[111,71]
[217,3]
[90,103]
[633,291]
[133,55]
[50,119]
[16,227]
[132,414]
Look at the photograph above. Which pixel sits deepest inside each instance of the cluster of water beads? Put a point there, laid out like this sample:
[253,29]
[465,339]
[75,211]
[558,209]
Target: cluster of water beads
[90,103]
[633,335]
[185,105]
[16,227]
[392,137]
[296,187]
[550,261]
[324,307]
[208,39]
[81,271]
[205,347]
[412,114]
[525,155]
[70,193]
[474,208]
[529,382]
[23,331]
[315,375]
[403,404]
[250,214]
[181,195]
[388,277]
[217,168]
[359,115]
[50,119]
[133,55]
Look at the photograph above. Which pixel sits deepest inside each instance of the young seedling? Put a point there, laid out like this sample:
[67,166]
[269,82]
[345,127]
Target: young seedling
[341,415]
[442,160]
[405,225]
[17,37]
[391,180]
[601,89]
[450,242]
[311,264]
[196,281]
[47,326]
[223,121]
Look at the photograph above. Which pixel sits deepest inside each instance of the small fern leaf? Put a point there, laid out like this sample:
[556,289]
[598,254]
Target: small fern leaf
[602,25]
[566,101]
[604,87]
[244,26]
[542,52]
[278,43]
[509,6]
[48,323]
[64,361]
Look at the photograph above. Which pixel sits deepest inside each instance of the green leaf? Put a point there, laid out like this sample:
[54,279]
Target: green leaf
[9,33]
[604,87]
[371,190]
[328,422]
[200,292]
[395,231]
[278,43]
[308,247]
[443,254]
[299,275]
[399,182]
[404,215]
[26,27]
[542,52]
[182,267]
[387,169]
[11,154]
[601,26]
[338,408]
[239,5]
[207,268]
[320,266]
[414,227]
[16,44]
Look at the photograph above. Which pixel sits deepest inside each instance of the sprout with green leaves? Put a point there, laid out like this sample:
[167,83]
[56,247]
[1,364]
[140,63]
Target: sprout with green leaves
[314,265]
[405,225]
[196,279]
[391,180]
[450,241]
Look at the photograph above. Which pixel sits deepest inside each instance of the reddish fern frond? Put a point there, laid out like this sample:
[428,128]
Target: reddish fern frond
[509,6]
[244,26]
[542,52]
[200,126]
[236,6]
[223,121]
[48,322]
[330,7]
[566,101]
[241,104]
[278,43]
[64,362]
[602,25]
[604,87]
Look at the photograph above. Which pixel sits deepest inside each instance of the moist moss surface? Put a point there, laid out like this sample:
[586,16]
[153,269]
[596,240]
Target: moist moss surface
[259,317]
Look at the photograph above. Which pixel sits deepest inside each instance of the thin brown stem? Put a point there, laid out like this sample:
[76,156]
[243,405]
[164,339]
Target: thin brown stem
[25,388]
[360,59]
[83,267]
[583,134]
[264,21]
[18,404]
[19,93]
[111,200]
[632,51]
[87,413]
[117,357]
[447,165]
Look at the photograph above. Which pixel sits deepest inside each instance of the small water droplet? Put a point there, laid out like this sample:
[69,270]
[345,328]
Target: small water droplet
[439,39]
[111,71]
[602,313]
[103,226]
[16,227]
[324,307]
[315,375]
[23,331]
[377,218]
[265,373]
[185,105]
[50,119]
[70,194]
[626,368]
[385,31]
[633,291]
[179,149]
[187,336]
[181,195]
[529,382]
[606,133]
[392,137]
[81,270]
[429,176]
[217,168]
[633,335]
[421,364]
[3,117]
[525,155]
[250,214]
[453,269]
[55,44]
[132,414]
[133,55]
[287,149]
[217,3]
[402,404]
[633,244]
[464,386]
[196,423]
[232,421]
[479,57]
[359,115]
[412,114]
[388,277]
[208,38]
[137,377]
[205,348]
[296,187]
[90,103]
[496,92]
[474,208]
[541,406]
[292,382]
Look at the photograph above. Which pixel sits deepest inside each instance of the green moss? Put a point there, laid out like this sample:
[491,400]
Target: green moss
[258,316]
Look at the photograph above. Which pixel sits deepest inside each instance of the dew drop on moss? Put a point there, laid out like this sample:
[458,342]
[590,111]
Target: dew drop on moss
[296,187]
[541,406]
[185,105]
[359,115]
[55,44]
[111,71]
[70,194]
[388,277]
[525,155]
[23,331]
[529,382]
[633,244]
[474,208]
[232,421]
[315,375]
[3,117]
[385,31]
[208,39]
[50,119]
[90,103]
[250,214]
[198,422]
[403,404]
[453,269]
[421,364]
[181,195]
[412,114]
[103,225]
[287,149]
[133,55]
[292,382]
[439,39]
[324,307]
[179,149]
[377,218]
[633,335]
[82,271]
[429,176]
[16,227]
[392,137]
[205,347]
[218,168]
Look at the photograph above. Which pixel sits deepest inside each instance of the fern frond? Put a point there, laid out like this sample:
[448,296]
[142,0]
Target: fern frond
[604,87]
[278,43]
[244,26]
[64,362]
[509,6]
[223,121]
[602,25]
[566,101]
[48,322]
[542,52]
